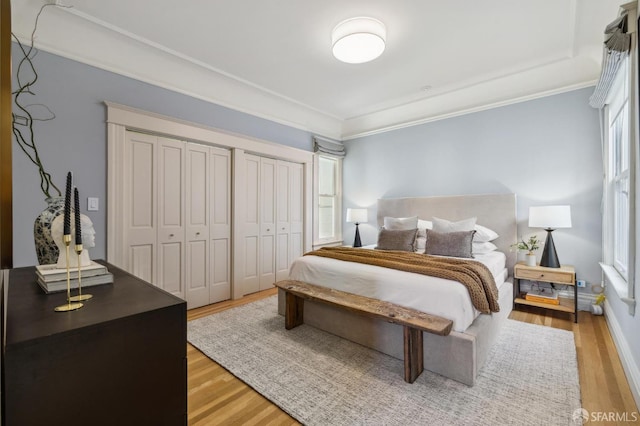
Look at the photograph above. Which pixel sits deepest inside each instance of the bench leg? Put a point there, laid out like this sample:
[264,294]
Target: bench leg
[294,311]
[413,354]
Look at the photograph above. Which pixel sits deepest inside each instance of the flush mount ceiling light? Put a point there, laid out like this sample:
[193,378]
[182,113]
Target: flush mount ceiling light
[358,40]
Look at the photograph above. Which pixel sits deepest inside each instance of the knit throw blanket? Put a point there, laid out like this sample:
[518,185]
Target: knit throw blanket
[475,276]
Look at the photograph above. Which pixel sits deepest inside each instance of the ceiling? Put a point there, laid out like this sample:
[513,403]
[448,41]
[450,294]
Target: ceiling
[272,58]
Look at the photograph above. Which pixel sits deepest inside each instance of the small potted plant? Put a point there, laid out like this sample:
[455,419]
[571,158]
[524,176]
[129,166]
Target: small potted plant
[529,246]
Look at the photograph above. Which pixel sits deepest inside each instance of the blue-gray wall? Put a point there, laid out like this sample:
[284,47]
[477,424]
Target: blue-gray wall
[76,139]
[547,151]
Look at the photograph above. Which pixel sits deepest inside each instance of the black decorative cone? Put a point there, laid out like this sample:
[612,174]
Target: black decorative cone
[549,257]
[357,242]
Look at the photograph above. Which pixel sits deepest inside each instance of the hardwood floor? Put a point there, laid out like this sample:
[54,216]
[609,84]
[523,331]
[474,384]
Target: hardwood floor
[216,397]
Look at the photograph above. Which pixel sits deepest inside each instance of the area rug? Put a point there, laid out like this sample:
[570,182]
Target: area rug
[531,376]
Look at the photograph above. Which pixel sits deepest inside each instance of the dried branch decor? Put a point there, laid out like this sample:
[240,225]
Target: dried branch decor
[25,115]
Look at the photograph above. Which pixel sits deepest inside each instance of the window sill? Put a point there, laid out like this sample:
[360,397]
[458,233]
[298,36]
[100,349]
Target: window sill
[618,283]
[317,245]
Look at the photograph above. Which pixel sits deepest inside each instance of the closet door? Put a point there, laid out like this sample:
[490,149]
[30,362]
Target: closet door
[220,224]
[290,217]
[268,170]
[170,207]
[197,225]
[297,213]
[250,279]
[139,196]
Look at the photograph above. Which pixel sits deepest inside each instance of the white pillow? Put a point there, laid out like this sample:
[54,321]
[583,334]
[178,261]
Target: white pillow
[482,248]
[400,223]
[425,224]
[443,225]
[421,239]
[484,234]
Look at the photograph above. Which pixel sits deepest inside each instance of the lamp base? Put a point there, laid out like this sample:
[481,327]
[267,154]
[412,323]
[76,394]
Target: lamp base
[549,257]
[357,242]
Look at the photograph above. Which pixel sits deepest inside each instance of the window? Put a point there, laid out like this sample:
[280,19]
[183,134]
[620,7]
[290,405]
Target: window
[328,184]
[619,244]
[618,181]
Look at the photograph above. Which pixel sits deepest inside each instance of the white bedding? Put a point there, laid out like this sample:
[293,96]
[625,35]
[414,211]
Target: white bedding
[445,298]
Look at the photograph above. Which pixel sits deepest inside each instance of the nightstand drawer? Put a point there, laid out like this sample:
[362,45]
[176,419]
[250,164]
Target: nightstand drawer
[548,276]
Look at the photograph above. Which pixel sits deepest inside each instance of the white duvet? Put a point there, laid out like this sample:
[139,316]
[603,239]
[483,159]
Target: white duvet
[437,296]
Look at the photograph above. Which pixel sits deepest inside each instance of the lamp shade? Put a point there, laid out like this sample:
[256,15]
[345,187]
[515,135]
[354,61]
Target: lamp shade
[356,215]
[550,217]
[358,40]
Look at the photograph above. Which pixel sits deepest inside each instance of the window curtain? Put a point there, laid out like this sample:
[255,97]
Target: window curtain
[328,147]
[616,48]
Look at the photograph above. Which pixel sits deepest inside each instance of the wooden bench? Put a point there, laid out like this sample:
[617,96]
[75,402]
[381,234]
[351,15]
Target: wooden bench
[413,321]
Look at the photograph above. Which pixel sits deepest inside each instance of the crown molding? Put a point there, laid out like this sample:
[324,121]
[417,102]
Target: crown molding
[112,49]
[562,76]
[125,54]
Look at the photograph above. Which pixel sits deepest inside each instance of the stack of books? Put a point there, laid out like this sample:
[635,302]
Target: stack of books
[53,279]
[543,295]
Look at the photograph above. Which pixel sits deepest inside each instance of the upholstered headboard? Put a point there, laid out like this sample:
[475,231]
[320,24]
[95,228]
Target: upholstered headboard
[495,211]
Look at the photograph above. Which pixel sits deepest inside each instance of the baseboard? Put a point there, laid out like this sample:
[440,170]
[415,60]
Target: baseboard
[585,300]
[626,356]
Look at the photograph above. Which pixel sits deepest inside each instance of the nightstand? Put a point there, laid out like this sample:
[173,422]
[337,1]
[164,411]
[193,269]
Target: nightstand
[565,275]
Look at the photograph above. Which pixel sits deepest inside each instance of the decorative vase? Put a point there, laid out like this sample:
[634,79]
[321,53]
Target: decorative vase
[531,260]
[46,249]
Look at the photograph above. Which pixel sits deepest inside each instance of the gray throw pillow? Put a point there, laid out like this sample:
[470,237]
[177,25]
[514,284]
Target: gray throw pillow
[396,240]
[455,244]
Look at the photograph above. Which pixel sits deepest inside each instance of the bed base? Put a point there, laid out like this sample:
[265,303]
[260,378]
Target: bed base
[458,356]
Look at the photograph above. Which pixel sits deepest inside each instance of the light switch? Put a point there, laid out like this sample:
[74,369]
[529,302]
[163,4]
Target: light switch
[92,204]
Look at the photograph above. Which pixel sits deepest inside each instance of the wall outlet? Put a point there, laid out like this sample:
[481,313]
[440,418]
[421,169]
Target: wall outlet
[581,283]
[93,204]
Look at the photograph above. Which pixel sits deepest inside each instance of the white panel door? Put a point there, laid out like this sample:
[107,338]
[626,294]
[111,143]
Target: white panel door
[290,217]
[220,224]
[296,215]
[283,214]
[268,172]
[170,207]
[197,225]
[140,165]
[251,219]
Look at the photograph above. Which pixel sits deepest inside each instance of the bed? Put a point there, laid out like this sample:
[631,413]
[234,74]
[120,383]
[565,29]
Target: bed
[462,353]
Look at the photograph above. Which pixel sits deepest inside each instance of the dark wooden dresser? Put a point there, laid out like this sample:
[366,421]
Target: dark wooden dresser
[119,360]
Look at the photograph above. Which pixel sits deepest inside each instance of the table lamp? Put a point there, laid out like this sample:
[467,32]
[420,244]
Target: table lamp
[550,218]
[357,216]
